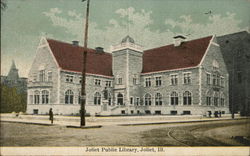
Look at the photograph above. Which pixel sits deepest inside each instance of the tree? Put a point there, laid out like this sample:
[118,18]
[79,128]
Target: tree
[11,100]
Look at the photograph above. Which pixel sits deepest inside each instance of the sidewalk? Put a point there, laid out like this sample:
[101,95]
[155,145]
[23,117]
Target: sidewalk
[104,121]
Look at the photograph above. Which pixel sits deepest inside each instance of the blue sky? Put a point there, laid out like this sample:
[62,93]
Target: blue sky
[151,23]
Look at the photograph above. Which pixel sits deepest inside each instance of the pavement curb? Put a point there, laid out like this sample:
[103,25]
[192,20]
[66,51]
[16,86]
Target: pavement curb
[31,123]
[160,123]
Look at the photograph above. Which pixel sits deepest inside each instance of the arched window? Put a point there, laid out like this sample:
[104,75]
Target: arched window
[208,98]
[174,98]
[216,98]
[119,99]
[222,100]
[97,98]
[187,99]
[69,97]
[147,99]
[158,99]
[37,97]
[45,97]
[109,99]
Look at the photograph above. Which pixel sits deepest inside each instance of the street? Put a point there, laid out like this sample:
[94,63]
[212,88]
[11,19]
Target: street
[212,133]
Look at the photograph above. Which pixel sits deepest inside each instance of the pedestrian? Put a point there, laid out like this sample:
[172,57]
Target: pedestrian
[220,113]
[215,114]
[51,115]
[209,113]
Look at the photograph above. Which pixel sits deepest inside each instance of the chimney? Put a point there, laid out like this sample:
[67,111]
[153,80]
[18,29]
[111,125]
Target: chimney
[99,49]
[178,40]
[75,43]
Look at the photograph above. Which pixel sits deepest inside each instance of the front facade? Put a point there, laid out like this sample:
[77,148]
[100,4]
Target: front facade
[188,77]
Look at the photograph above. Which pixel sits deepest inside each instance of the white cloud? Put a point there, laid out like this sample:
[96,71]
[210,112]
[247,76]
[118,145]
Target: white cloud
[137,24]
[217,25]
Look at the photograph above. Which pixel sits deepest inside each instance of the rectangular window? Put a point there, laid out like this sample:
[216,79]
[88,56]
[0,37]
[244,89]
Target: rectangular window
[31,99]
[222,102]
[36,97]
[35,77]
[208,101]
[187,78]
[158,81]
[119,81]
[42,75]
[174,79]
[49,76]
[222,82]
[216,99]
[137,101]
[108,83]
[148,82]
[97,82]
[218,80]
[131,100]
[134,81]
[214,79]
[173,112]
[69,78]
[208,79]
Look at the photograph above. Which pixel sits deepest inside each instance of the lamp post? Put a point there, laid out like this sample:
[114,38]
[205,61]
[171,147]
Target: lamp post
[83,90]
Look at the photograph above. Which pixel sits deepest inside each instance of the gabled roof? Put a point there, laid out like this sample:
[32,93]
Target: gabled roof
[69,57]
[188,54]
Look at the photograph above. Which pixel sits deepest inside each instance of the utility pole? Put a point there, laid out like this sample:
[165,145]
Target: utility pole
[233,73]
[83,90]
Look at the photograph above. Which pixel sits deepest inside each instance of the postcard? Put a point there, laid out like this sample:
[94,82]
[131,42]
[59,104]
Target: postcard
[125,77]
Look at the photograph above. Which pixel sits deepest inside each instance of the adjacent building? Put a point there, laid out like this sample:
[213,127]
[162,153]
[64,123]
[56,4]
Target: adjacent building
[235,49]
[187,77]
[13,79]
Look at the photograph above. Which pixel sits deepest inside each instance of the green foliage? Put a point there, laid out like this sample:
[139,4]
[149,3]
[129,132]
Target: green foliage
[11,100]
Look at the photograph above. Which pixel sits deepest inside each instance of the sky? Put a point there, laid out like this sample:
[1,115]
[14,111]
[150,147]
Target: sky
[151,23]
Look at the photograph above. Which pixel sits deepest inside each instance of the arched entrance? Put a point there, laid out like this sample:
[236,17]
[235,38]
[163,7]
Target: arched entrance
[119,99]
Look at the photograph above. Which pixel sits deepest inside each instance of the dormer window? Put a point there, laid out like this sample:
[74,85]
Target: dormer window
[178,40]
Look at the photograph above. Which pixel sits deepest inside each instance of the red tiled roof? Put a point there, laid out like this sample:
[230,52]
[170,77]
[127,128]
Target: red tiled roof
[188,54]
[69,57]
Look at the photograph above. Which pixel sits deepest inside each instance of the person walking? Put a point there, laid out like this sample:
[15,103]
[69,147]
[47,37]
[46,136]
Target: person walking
[51,116]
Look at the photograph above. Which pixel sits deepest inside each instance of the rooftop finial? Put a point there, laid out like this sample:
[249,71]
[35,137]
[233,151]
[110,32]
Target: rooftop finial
[128,39]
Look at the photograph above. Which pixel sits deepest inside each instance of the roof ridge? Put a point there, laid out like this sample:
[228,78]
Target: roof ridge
[173,44]
[73,45]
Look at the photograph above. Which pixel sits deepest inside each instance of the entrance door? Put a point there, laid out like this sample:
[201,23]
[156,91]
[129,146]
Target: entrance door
[120,99]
